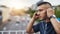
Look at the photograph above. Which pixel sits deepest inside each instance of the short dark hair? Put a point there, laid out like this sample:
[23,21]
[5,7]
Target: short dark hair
[41,3]
[0,12]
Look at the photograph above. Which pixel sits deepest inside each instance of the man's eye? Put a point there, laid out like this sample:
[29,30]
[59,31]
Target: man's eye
[40,10]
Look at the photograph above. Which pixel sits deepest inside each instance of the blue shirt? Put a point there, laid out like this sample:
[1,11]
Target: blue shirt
[44,28]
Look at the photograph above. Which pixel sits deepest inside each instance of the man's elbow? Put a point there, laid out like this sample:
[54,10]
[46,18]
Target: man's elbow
[27,31]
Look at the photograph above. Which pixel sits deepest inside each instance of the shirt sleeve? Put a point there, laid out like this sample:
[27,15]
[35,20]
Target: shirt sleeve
[36,27]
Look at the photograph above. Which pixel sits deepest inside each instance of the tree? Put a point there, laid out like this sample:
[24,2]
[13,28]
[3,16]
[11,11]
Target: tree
[57,12]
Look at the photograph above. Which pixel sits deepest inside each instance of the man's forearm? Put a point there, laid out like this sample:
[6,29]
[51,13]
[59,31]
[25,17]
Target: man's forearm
[55,24]
[30,25]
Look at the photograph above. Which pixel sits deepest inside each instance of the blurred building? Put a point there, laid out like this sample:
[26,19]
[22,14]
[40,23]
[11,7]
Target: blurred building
[0,17]
[58,7]
[5,10]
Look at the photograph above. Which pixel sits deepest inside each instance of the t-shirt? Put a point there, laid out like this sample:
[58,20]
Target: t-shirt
[44,28]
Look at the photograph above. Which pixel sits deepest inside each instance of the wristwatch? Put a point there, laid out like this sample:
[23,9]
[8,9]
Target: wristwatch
[53,16]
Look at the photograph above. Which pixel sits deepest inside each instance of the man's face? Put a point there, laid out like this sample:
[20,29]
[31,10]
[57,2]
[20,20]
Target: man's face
[42,10]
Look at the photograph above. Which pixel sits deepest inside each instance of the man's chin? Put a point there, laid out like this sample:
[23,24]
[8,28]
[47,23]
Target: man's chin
[42,18]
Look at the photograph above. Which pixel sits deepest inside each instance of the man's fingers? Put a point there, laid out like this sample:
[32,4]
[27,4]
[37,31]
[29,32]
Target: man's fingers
[50,12]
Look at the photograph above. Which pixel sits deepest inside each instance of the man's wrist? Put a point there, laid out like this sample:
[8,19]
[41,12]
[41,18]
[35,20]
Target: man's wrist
[33,19]
[53,16]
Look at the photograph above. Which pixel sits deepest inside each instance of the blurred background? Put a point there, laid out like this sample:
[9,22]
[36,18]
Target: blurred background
[16,14]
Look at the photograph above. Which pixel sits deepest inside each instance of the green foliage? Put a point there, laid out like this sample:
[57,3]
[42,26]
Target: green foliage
[57,13]
[31,12]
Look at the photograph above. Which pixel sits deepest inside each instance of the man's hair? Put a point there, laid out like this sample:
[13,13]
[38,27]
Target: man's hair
[41,3]
[0,13]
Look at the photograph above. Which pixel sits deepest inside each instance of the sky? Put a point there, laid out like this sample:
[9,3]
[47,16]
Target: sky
[18,3]
[23,3]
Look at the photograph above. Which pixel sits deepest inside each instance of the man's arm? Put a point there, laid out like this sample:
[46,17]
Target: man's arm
[56,25]
[29,28]
[54,21]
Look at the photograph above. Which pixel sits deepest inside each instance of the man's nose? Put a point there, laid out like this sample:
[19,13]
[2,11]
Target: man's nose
[37,12]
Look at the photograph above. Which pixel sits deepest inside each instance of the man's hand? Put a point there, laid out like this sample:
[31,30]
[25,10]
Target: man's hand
[35,16]
[54,22]
[50,12]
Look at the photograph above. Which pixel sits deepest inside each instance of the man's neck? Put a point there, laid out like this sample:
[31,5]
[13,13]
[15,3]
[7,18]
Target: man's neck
[47,20]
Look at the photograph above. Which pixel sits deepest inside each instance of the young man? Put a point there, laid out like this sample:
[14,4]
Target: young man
[49,23]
